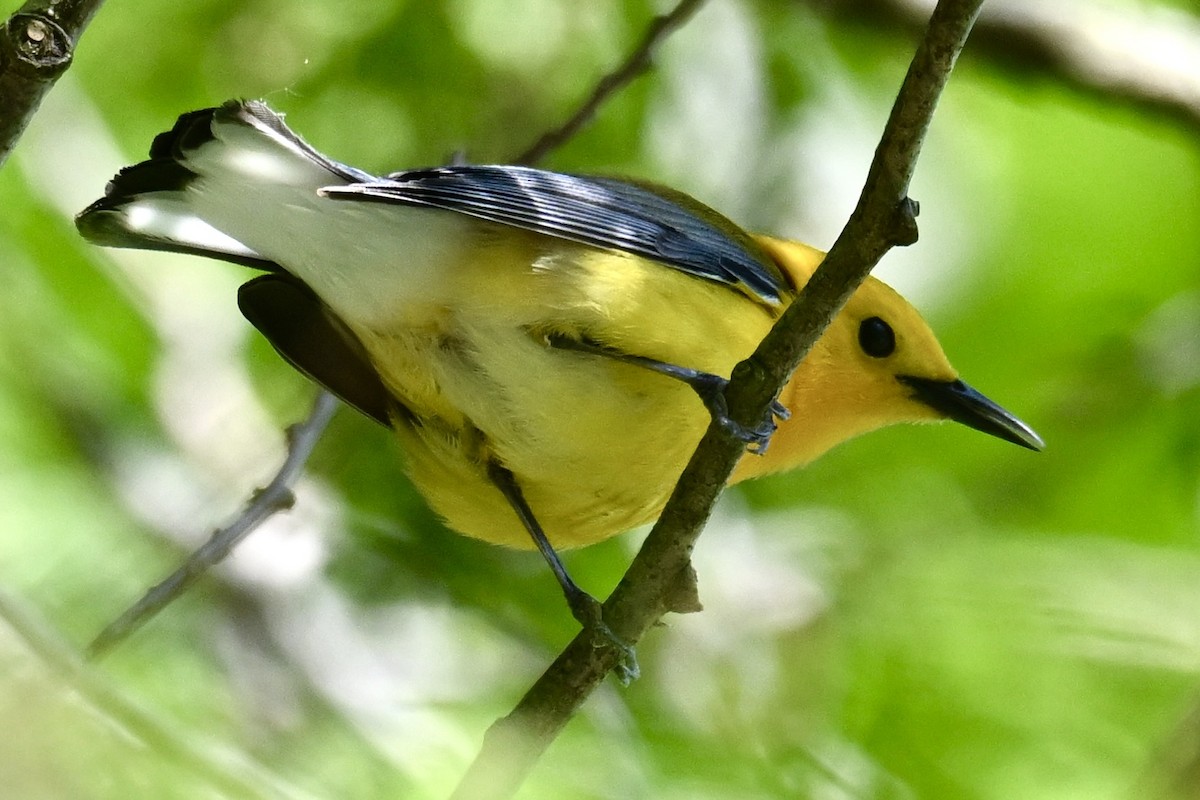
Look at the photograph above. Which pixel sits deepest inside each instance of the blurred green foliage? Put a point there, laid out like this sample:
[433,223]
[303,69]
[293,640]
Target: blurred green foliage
[923,613]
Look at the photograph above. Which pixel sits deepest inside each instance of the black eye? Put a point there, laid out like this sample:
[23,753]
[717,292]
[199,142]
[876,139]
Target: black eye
[876,338]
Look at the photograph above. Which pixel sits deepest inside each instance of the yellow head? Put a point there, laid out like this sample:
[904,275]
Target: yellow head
[877,364]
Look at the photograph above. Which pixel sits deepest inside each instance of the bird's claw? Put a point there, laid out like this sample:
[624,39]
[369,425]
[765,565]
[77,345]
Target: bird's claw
[756,438]
[626,669]
[590,614]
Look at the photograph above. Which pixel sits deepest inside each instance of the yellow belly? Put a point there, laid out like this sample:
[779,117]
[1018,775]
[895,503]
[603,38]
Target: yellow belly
[596,445]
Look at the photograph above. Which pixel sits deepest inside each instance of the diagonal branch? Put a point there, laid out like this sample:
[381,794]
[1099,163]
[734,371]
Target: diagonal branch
[660,578]
[637,62]
[275,497]
[37,44]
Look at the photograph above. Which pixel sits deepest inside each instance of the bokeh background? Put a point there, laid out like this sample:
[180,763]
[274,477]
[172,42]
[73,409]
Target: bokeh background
[924,613]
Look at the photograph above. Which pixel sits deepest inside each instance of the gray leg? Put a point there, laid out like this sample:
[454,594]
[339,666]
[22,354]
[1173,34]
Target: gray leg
[585,608]
[709,387]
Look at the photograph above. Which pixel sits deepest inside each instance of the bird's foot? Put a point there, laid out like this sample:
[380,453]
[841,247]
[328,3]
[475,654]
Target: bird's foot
[711,389]
[590,614]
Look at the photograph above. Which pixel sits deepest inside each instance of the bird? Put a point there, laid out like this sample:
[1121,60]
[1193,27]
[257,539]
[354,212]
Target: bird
[548,348]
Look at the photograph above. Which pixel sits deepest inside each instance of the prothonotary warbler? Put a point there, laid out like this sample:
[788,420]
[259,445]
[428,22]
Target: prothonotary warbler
[547,347]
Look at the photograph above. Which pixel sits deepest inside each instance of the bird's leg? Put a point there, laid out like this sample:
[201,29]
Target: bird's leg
[710,388]
[585,608]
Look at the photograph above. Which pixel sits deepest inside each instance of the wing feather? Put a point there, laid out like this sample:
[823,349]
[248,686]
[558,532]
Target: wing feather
[647,221]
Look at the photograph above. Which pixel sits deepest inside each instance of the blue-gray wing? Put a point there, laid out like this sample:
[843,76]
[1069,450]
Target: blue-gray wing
[652,222]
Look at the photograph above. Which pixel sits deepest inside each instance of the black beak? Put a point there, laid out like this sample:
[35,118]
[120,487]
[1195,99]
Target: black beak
[963,404]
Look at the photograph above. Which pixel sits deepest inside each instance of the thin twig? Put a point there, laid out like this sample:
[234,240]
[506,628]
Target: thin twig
[37,44]
[226,771]
[661,573]
[276,497]
[638,61]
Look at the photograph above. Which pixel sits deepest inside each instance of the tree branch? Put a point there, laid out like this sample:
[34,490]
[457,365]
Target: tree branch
[637,62]
[660,577]
[37,44]
[276,497]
